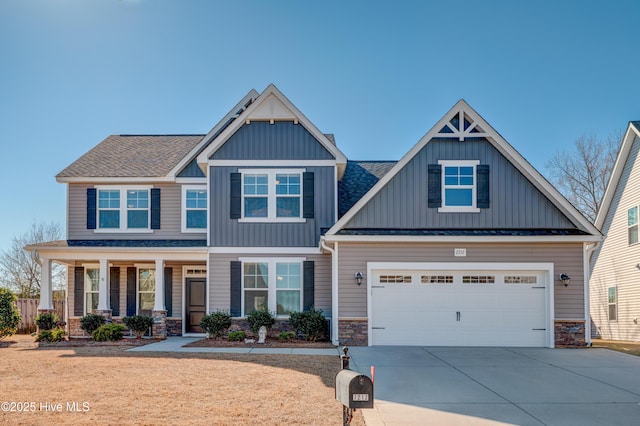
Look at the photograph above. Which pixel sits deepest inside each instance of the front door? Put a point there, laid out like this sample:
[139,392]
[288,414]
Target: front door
[195,306]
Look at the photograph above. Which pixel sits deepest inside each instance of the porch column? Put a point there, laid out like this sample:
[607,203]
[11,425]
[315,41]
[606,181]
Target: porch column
[103,291]
[159,299]
[46,292]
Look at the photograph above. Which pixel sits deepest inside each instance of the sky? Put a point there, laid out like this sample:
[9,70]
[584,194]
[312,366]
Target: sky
[377,74]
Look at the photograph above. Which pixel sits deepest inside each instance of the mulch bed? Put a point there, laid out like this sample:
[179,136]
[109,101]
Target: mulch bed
[269,343]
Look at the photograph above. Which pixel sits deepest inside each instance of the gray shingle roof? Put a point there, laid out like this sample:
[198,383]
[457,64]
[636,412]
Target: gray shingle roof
[359,177]
[133,156]
[463,232]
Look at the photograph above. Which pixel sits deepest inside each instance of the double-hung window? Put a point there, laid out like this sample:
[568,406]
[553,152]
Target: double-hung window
[272,283]
[194,208]
[123,209]
[459,186]
[632,224]
[271,195]
[146,290]
[612,296]
[91,286]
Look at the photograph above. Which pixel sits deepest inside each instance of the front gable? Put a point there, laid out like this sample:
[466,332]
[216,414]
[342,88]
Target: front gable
[492,190]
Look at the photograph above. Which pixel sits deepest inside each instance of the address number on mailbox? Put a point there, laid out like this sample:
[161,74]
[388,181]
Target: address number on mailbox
[360,396]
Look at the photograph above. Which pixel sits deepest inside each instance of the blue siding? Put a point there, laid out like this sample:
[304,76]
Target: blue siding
[515,202]
[226,232]
[282,140]
[191,170]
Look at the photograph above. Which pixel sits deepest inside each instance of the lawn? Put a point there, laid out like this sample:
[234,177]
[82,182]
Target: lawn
[107,385]
[631,348]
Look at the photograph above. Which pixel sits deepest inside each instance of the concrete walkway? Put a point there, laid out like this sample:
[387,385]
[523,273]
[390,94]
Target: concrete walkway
[176,344]
[482,386]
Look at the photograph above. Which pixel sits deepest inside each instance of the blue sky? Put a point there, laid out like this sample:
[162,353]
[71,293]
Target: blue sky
[376,74]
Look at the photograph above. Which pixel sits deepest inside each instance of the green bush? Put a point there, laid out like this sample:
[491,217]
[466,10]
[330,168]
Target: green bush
[260,317]
[138,324]
[311,324]
[237,336]
[287,336]
[91,322]
[108,333]
[47,321]
[9,314]
[54,335]
[216,323]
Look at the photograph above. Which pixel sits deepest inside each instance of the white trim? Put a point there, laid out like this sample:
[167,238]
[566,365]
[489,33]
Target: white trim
[501,145]
[463,238]
[114,180]
[459,209]
[265,250]
[137,254]
[123,209]
[272,163]
[546,267]
[272,196]
[191,181]
[183,209]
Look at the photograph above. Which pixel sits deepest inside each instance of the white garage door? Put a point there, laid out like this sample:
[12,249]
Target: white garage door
[458,308]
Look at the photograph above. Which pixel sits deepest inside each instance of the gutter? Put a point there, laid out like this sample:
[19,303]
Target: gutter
[588,253]
[334,289]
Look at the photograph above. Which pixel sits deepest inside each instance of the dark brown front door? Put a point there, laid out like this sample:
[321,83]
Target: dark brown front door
[195,305]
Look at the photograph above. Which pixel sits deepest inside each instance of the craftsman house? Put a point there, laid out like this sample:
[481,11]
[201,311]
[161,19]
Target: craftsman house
[461,242]
[615,294]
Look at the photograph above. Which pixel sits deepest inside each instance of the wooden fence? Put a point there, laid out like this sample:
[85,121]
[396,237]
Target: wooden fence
[29,309]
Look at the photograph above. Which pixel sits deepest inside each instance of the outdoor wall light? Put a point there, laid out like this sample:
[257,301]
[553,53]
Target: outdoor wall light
[358,277]
[565,279]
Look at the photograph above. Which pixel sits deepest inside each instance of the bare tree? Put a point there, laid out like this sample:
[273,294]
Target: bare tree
[582,174]
[19,269]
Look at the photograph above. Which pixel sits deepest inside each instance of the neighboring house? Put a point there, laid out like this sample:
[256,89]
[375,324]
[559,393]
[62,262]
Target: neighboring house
[461,242]
[615,293]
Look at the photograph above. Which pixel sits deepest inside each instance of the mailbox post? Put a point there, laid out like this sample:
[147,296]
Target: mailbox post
[353,390]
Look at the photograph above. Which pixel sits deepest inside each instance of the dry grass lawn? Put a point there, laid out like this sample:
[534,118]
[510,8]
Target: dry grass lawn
[631,348]
[119,387]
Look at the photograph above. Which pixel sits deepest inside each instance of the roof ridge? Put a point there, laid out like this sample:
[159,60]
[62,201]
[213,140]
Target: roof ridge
[159,134]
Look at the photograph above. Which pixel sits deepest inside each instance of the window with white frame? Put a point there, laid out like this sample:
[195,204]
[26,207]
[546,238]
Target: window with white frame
[146,290]
[271,195]
[122,209]
[91,289]
[272,283]
[194,208]
[459,185]
[612,296]
[632,224]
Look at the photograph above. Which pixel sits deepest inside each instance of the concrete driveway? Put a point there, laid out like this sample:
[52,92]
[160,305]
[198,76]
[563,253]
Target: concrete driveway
[479,386]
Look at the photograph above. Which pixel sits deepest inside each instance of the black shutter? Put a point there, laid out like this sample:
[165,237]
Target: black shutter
[482,190]
[78,292]
[235,307]
[91,208]
[131,291]
[155,208]
[114,289]
[168,290]
[308,196]
[308,275]
[235,201]
[435,186]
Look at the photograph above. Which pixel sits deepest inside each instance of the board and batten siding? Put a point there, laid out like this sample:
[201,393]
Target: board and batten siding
[566,257]
[220,280]
[227,232]
[282,140]
[614,264]
[514,202]
[170,216]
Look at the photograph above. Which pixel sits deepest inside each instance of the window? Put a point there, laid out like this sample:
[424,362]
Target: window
[146,290]
[613,303]
[632,223]
[123,209]
[395,279]
[272,195]
[272,283]
[520,279]
[91,286]
[459,186]
[194,208]
[436,279]
[478,279]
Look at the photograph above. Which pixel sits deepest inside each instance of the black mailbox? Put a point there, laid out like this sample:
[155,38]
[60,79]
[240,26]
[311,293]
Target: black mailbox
[354,390]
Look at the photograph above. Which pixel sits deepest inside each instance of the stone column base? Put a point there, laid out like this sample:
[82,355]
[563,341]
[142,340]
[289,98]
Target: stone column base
[353,332]
[159,328]
[569,334]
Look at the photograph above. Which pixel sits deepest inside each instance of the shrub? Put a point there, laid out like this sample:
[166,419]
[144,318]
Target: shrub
[138,324]
[216,323]
[91,322]
[237,336]
[55,335]
[108,333]
[47,321]
[260,317]
[9,314]
[312,324]
[287,336]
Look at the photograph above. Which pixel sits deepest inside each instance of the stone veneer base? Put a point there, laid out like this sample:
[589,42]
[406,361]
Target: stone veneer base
[569,334]
[353,332]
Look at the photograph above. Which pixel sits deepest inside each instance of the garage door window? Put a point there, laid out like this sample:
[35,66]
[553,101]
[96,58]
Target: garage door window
[520,279]
[395,279]
[436,279]
[478,279]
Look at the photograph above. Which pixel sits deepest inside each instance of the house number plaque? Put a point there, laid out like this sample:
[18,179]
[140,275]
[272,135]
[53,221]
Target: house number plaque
[459,252]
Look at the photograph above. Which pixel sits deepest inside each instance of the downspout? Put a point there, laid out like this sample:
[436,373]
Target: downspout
[334,290]
[588,253]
